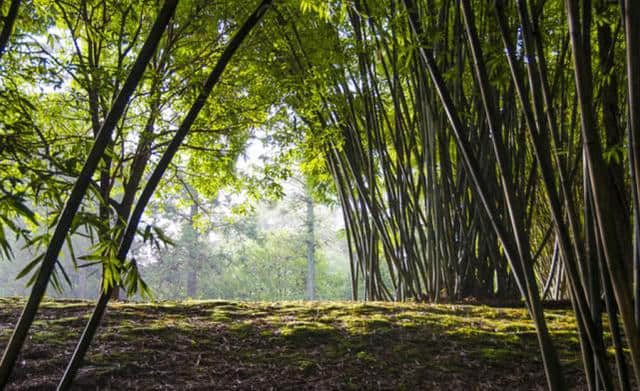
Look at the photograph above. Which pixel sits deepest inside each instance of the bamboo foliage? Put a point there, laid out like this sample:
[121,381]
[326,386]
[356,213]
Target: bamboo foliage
[77,194]
[129,224]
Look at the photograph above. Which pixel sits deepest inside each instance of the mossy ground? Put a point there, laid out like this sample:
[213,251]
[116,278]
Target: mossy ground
[292,345]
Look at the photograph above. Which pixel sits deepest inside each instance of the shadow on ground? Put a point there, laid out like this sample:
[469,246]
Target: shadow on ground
[292,346]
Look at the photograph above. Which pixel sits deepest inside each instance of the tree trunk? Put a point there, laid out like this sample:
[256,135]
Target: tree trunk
[311,244]
[9,21]
[194,257]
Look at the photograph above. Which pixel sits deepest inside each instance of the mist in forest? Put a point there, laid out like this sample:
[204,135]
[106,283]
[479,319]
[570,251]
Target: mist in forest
[214,252]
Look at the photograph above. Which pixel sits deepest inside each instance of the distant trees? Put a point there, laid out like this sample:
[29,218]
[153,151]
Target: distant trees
[310,223]
[263,255]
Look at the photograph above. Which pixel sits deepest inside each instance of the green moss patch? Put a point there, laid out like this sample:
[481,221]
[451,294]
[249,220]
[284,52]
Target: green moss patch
[292,345]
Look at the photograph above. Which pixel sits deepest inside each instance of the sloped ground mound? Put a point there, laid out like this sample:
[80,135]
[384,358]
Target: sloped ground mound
[291,346]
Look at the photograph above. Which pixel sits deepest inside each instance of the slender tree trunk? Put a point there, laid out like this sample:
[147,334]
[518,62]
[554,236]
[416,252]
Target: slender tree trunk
[632,35]
[7,29]
[193,262]
[311,245]
[617,259]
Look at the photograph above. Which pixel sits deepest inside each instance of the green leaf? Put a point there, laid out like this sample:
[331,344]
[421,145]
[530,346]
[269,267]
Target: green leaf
[89,264]
[32,264]
[23,210]
[162,236]
[64,273]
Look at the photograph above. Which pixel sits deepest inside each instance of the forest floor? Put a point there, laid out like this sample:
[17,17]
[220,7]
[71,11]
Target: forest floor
[231,345]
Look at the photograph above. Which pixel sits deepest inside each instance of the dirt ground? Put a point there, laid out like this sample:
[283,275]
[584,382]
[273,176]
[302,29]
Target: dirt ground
[225,345]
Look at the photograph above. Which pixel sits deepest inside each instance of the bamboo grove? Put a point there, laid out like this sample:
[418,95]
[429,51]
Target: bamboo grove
[485,149]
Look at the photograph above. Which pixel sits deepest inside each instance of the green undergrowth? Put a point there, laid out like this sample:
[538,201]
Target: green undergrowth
[293,345]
